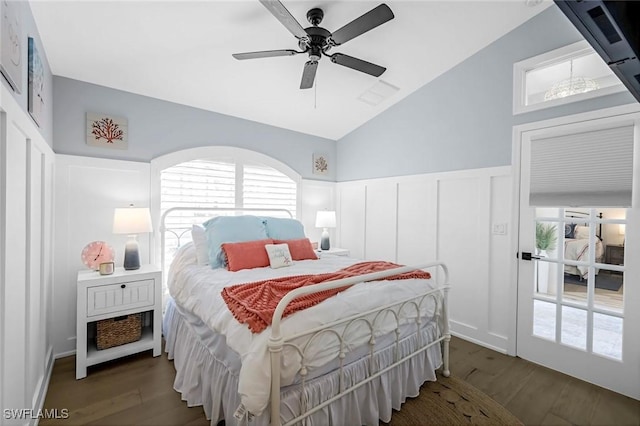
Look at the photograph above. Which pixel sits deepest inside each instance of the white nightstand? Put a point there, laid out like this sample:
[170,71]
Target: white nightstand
[335,251]
[108,296]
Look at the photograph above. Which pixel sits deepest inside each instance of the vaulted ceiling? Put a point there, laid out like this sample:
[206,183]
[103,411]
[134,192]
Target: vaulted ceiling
[180,51]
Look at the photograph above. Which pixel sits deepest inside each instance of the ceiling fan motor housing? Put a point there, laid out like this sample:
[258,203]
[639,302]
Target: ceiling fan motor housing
[317,41]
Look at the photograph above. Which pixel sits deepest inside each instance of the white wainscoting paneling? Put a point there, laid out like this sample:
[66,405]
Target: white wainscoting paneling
[26,275]
[417,224]
[461,245]
[351,218]
[381,221]
[501,255]
[87,192]
[316,195]
[444,216]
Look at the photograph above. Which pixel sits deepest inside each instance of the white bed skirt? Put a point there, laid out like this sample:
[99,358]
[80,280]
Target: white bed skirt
[207,375]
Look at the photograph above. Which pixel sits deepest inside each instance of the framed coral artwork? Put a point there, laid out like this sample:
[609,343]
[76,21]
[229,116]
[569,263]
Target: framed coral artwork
[106,131]
[320,164]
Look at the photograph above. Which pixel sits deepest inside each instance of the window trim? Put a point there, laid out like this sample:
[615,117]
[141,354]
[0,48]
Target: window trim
[521,68]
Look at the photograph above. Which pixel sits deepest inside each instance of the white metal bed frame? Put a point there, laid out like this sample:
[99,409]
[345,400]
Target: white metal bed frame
[397,310]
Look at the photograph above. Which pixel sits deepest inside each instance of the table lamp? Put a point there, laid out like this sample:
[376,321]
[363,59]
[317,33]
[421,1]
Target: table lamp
[325,219]
[132,221]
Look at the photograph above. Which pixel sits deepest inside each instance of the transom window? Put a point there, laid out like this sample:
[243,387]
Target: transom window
[569,74]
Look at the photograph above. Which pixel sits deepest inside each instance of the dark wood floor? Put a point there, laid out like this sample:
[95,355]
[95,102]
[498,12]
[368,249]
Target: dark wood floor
[138,390]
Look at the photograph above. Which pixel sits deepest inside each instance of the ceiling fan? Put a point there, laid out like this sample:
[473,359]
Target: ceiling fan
[317,41]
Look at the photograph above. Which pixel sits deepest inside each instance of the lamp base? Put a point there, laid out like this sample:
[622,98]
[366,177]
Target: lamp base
[131,255]
[324,240]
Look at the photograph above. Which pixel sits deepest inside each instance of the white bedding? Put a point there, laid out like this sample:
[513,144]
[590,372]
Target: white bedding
[197,290]
[578,249]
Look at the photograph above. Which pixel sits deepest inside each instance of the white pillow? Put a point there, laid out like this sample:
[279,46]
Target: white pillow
[581,232]
[279,255]
[199,239]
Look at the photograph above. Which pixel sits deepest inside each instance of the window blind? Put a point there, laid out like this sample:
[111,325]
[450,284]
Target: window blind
[219,183]
[265,187]
[590,169]
[199,183]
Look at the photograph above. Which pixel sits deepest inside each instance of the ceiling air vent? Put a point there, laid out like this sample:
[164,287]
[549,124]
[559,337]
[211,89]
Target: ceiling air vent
[378,93]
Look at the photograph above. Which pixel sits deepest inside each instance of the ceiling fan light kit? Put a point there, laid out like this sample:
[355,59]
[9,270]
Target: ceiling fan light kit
[317,41]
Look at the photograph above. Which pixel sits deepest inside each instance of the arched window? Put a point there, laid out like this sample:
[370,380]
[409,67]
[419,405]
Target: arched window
[224,183]
[217,177]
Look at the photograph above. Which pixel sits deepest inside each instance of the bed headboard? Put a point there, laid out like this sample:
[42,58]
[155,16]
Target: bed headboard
[177,221]
[582,215]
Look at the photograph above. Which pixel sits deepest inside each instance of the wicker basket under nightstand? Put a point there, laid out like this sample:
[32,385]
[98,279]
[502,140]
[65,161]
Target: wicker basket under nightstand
[118,331]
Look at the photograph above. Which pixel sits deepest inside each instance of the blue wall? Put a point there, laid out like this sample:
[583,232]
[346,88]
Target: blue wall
[29,30]
[158,127]
[463,119]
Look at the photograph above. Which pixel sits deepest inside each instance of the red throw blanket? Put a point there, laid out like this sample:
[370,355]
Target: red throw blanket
[254,303]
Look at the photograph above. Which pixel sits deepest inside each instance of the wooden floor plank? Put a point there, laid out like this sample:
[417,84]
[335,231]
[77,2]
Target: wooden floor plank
[540,391]
[505,386]
[615,409]
[577,401]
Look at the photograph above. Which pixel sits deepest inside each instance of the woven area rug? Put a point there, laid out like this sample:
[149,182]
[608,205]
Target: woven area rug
[452,401]
[605,280]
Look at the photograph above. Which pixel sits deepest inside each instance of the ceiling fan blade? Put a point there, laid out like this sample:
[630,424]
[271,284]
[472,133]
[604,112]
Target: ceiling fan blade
[373,18]
[357,64]
[265,54]
[281,13]
[309,74]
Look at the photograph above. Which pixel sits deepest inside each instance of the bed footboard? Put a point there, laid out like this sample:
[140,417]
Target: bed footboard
[398,310]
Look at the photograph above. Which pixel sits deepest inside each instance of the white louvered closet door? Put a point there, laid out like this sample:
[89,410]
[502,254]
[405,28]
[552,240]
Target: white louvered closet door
[579,228]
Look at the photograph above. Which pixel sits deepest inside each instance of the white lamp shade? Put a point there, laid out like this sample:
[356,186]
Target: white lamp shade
[132,220]
[326,219]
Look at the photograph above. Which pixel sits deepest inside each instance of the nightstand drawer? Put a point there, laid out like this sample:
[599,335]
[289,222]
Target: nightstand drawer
[119,297]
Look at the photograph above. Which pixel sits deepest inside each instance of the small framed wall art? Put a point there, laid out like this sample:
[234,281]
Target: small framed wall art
[106,131]
[11,44]
[35,88]
[320,164]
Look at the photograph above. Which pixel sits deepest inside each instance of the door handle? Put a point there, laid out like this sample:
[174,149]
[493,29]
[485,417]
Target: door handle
[528,256]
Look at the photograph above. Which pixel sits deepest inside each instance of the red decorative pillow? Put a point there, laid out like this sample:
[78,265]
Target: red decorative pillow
[246,255]
[300,249]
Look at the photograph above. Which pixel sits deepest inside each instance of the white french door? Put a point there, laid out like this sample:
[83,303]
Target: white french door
[578,283]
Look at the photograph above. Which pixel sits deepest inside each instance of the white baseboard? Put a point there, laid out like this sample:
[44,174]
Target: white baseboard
[44,386]
[479,342]
[65,354]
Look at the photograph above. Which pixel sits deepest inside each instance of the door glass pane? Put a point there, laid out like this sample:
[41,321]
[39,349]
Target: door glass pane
[574,327]
[609,290]
[544,319]
[547,238]
[609,283]
[576,253]
[607,335]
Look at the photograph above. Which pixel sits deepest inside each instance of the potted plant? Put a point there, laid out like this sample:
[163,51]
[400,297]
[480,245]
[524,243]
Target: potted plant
[546,240]
[546,237]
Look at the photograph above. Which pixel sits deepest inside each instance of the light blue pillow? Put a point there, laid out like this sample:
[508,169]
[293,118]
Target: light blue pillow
[284,229]
[231,229]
